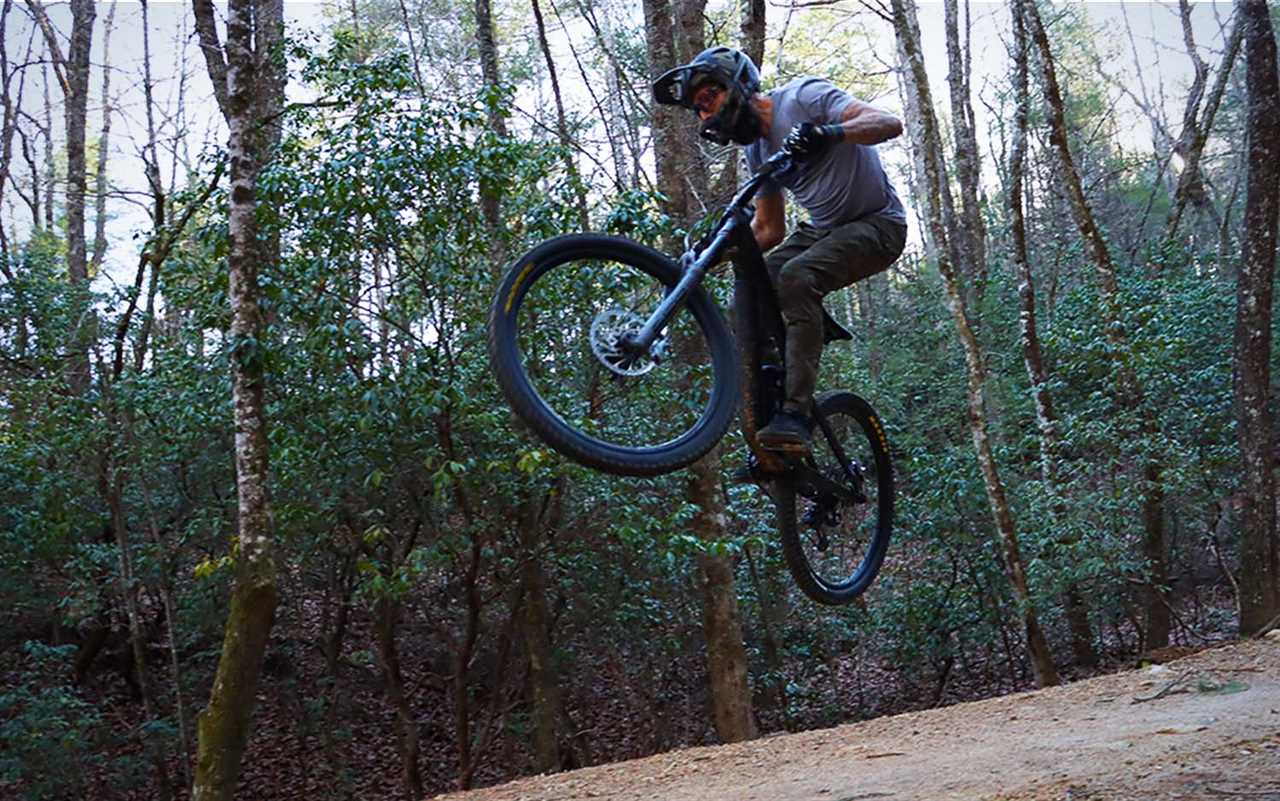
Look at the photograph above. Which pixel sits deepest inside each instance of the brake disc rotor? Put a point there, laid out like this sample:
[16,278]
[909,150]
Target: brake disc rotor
[607,331]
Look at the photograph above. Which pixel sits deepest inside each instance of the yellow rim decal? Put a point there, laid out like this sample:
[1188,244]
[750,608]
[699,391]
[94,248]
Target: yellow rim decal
[884,442]
[511,298]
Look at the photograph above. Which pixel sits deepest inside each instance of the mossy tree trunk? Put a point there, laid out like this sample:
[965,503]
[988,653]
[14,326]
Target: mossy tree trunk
[1077,610]
[1259,551]
[941,216]
[490,195]
[248,82]
[971,230]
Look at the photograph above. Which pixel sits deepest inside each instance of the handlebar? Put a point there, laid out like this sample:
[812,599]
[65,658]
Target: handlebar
[778,163]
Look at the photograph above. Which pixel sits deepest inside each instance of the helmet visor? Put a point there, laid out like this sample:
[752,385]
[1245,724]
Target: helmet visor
[677,87]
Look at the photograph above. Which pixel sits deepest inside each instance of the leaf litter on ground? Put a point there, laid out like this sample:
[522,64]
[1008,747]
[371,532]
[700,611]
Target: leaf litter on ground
[1194,681]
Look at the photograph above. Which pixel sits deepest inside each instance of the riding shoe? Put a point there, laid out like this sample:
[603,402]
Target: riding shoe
[788,432]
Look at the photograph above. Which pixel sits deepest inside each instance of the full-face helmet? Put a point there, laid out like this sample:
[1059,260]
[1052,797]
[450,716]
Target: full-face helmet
[728,68]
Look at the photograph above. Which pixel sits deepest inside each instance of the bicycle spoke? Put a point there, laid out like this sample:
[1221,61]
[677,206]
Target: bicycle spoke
[662,393]
[836,535]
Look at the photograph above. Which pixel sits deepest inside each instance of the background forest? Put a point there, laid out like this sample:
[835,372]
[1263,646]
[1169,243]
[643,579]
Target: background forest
[248,417]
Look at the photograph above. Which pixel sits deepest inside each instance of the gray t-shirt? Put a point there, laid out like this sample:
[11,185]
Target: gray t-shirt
[845,183]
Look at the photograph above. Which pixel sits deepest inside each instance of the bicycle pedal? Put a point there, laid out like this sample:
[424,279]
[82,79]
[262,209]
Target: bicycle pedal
[818,517]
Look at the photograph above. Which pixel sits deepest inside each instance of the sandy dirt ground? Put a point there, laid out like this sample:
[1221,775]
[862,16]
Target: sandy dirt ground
[1203,727]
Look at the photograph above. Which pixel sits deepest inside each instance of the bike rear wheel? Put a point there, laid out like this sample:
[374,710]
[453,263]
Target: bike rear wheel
[835,548]
[555,343]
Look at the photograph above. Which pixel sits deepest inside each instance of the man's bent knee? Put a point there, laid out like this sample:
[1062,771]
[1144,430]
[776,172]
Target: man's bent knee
[798,287]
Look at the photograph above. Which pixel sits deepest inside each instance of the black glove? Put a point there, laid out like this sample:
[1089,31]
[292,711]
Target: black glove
[807,140]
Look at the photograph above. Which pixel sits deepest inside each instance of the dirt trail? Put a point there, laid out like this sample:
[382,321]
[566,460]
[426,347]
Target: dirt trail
[1203,727]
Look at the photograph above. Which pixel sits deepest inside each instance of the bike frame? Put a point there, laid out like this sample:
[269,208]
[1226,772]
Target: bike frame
[760,333]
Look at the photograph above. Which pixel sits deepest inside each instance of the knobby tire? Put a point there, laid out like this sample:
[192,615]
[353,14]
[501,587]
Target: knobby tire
[507,360]
[878,477]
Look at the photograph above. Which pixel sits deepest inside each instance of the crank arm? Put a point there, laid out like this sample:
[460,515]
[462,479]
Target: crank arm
[802,475]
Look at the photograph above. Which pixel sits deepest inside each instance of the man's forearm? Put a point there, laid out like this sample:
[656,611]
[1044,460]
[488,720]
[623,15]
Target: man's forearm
[766,236]
[871,129]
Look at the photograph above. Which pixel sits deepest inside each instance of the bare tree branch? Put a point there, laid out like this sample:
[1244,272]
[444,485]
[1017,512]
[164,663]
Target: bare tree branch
[211,46]
[1196,134]
[51,41]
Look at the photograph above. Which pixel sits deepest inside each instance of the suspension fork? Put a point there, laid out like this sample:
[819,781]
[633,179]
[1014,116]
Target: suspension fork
[695,266]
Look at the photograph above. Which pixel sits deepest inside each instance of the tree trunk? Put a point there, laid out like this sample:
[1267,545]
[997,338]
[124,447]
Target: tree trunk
[916,173]
[721,622]
[104,144]
[151,163]
[535,619]
[968,157]
[73,75]
[170,619]
[1095,244]
[771,594]
[406,728]
[463,652]
[50,169]
[1037,645]
[1196,134]
[413,45]
[249,87]
[1077,610]
[1130,391]
[752,30]
[490,196]
[113,489]
[156,249]
[1260,563]
[682,178]
[1155,548]
[867,313]
[10,104]
[671,144]
[77,91]
[660,48]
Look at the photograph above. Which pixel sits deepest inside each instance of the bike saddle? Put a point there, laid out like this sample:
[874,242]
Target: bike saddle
[831,330]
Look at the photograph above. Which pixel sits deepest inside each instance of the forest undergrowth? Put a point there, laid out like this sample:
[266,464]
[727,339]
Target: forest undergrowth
[1059,360]
[310,742]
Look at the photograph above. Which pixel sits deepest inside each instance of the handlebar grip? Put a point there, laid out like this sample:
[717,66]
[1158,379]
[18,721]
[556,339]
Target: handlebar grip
[782,155]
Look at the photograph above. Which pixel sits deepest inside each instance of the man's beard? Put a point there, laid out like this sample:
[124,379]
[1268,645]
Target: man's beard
[736,121]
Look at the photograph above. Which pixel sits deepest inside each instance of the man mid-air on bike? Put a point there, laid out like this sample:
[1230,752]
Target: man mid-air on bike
[857,224]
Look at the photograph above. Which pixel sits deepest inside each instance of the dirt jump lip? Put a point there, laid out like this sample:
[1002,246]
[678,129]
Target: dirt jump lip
[1191,729]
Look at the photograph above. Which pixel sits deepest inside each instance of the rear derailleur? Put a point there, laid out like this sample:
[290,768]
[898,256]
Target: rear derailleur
[825,513]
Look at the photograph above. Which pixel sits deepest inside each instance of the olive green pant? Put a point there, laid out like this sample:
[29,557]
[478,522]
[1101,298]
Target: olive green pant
[812,263]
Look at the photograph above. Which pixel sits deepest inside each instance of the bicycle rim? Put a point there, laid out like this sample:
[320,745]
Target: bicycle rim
[835,550]
[572,382]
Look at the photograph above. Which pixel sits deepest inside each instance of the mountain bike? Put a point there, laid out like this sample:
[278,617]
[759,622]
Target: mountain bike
[617,357]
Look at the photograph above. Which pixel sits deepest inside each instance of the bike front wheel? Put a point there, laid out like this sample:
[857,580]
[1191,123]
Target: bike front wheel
[557,330]
[834,547]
